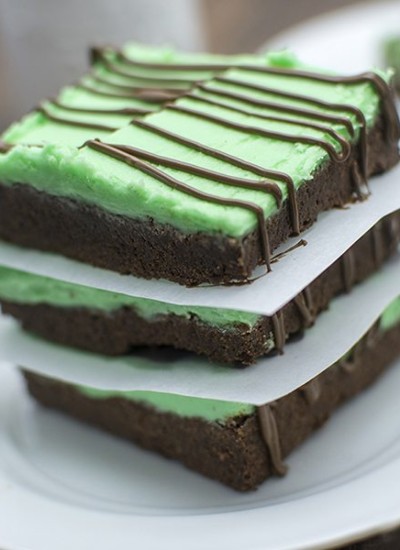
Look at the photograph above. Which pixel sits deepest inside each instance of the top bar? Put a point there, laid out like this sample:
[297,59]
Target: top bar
[203,190]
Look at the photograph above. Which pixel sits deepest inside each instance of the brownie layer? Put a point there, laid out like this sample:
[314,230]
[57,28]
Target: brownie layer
[118,332]
[149,249]
[235,452]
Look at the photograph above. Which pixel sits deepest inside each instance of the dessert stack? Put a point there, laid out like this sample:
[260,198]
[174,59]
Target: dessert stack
[169,201]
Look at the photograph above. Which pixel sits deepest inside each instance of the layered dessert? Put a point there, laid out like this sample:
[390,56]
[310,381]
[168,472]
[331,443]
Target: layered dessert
[237,444]
[114,324]
[194,168]
[205,188]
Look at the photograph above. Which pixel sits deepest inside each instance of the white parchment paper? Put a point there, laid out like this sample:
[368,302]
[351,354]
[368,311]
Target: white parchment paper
[336,331]
[334,232]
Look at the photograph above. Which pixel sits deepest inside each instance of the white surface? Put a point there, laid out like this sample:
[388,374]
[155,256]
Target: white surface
[334,232]
[63,485]
[336,331]
[348,40]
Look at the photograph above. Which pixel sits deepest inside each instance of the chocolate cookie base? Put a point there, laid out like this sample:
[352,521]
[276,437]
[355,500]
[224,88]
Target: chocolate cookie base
[234,453]
[150,249]
[118,332]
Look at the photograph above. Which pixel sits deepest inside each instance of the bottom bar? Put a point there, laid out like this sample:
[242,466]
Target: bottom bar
[235,443]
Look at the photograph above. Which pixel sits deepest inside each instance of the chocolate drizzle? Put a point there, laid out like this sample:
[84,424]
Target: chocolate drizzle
[159,80]
[278,325]
[348,270]
[380,85]
[305,306]
[214,67]
[270,435]
[163,91]
[281,136]
[70,122]
[146,167]
[235,161]
[316,103]
[129,111]
[377,243]
[345,146]
[382,88]
[143,94]
[278,107]
[272,188]
[351,362]
[312,391]
[348,365]
[5,147]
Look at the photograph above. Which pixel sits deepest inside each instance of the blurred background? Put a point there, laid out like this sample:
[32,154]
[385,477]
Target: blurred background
[43,43]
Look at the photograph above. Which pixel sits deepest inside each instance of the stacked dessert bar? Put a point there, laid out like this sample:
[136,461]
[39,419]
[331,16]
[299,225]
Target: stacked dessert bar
[195,168]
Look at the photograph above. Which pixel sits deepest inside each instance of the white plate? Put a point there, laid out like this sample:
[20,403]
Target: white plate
[348,40]
[64,485]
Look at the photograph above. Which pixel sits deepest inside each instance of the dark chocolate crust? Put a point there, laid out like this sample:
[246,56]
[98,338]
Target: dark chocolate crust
[234,453]
[118,332]
[153,250]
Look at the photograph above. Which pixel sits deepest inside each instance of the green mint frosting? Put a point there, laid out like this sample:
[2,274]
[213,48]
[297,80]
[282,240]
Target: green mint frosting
[208,409]
[59,168]
[27,288]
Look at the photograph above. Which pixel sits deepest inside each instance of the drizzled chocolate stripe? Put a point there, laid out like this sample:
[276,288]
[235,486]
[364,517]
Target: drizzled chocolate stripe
[377,243]
[113,68]
[380,85]
[304,304]
[217,67]
[148,168]
[136,87]
[79,123]
[125,111]
[151,96]
[270,433]
[312,391]
[349,269]
[269,187]
[235,161]
[359,115]
[345,146]
[282,136]
[297,111]
[278,325]
[304,301]
[5,147]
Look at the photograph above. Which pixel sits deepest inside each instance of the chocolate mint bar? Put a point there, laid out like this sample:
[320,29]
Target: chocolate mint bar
[235,443]
[113,324]
[207,187]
